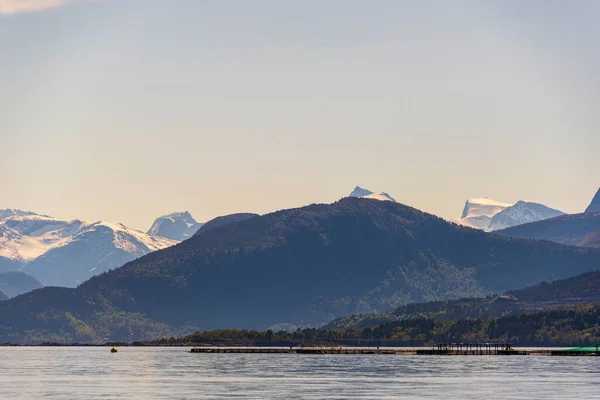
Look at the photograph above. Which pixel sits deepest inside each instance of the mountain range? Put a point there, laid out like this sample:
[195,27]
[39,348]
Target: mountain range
[67,252]
[300,266]
[490,215]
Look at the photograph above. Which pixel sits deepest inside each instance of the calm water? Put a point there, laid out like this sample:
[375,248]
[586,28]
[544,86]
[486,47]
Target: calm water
[90,373]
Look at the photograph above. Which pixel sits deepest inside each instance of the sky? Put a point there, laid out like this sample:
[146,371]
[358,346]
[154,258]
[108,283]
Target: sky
[124,110]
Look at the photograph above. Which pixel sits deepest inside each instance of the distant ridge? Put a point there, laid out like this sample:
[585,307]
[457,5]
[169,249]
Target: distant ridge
[594,206]
[570,229]
[224,220]
[15,283]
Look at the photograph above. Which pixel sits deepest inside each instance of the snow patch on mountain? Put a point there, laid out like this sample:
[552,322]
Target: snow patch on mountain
[491,215]
[176,226]
[478,212]
[367,194]
[520,213]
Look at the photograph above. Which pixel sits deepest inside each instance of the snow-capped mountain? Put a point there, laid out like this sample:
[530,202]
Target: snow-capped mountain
[594,207]
[65,253]
[367,194]
[522,212]
[478,212]
[490,215]
[176,226]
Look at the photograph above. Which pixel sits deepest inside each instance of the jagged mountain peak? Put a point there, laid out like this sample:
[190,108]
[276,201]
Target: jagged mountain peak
[360,192]
[594,206]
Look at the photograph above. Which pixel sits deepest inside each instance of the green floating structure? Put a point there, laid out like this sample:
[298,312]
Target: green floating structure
[578,351]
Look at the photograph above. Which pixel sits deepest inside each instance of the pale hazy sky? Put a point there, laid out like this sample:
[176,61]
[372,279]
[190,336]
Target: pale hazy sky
[124,110]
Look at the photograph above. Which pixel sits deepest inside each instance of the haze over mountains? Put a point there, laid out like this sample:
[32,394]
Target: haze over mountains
[15,283]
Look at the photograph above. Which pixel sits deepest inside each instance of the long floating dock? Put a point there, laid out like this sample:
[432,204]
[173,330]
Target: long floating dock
[438,350]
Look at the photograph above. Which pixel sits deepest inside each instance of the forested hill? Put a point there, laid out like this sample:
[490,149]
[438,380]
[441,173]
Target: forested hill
[302,266]
[581,289]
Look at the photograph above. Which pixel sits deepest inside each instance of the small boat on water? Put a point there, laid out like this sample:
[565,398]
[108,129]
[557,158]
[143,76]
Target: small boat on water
[113,350]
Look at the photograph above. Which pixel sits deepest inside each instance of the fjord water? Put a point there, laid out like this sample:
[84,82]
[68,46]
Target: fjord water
[93,372]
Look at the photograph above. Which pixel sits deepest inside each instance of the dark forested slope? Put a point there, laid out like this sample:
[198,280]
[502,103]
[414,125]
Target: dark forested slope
[581,289]
[573,229]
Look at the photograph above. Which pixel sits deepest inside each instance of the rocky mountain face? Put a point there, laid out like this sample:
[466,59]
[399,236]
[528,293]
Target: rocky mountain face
[65,253]
[176,226]
[301,266]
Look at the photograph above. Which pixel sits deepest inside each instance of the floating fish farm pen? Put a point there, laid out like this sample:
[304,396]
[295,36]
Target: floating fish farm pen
[578,351]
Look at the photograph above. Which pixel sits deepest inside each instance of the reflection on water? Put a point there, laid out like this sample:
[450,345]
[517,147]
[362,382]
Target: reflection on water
[77,373]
